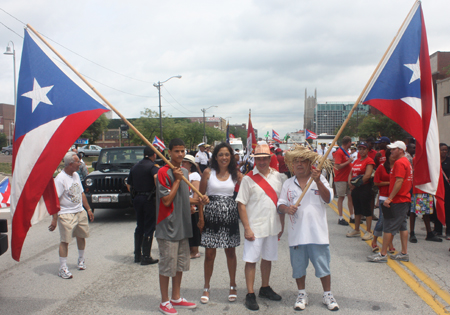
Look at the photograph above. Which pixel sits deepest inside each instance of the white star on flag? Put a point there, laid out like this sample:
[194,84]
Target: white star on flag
[38,95]
[415,68]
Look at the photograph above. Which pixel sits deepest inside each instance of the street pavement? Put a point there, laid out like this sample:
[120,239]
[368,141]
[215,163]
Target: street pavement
[113,284]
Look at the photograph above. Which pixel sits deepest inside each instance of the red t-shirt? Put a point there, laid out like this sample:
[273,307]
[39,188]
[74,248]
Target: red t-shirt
[382,158]
[342,174]
[282,164]
[274,162]
[382,176]
[359,167]
[402,168]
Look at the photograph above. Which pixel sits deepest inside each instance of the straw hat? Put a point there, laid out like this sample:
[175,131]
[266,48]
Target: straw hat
[261,150]
[190,158]
[304,153]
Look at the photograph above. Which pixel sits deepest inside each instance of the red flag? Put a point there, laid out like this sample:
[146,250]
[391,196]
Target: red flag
[402,89]
[251,138]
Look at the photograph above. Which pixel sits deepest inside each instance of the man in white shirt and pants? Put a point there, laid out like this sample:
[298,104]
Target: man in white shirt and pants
[257,199]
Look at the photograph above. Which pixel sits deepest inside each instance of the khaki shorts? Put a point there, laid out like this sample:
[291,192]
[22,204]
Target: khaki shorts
[73,225]
[174,256]
[342,189]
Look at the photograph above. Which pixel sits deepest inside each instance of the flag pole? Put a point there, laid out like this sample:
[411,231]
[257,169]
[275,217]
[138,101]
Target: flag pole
[113,108]
[322,160]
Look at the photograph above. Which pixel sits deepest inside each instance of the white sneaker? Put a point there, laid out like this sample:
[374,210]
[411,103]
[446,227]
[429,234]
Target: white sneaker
[81,264]
[65,273]
[301,302]
[330,302]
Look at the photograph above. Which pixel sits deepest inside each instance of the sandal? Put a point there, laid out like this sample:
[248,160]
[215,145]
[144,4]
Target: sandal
[195,256]
[232,297]
[204,298]
[391,250]
[375,248]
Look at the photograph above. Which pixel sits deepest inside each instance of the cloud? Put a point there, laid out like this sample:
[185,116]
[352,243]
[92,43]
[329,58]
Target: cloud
[237,55]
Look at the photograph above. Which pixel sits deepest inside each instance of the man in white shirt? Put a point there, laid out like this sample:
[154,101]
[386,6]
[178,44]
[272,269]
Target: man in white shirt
[202,158]
[257,200]
[72,219]
[307,224]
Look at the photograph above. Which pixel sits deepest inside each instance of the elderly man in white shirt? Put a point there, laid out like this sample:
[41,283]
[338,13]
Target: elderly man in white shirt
[257,200]
[202,158]
[307,224]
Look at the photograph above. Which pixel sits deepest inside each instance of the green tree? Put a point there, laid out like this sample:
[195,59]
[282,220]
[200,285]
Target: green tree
[3,141]
[95,130]
[238,132]
[351,129]
[380,125]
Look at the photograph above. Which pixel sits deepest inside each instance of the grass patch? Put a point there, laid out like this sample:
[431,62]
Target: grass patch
[6,168]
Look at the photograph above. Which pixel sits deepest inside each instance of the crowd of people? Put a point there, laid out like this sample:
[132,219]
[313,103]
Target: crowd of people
[203,200]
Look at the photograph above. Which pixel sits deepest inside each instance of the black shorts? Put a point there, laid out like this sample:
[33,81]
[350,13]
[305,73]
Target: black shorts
[361,197]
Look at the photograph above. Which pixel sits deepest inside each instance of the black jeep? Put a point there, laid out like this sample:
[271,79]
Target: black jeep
[106,186]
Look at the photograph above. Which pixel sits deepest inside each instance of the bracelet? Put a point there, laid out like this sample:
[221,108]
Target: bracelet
[390,200]
[89,210]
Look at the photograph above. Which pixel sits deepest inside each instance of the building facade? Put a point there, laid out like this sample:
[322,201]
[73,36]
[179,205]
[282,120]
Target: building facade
[443,109]
[331,115]
[7,114]
[310,105]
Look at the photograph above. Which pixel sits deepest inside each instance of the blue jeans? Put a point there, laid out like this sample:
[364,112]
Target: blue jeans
[378,231]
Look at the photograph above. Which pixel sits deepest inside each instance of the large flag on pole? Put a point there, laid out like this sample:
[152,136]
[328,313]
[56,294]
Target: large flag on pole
[402,89]
[251,138]
[310,135]
[52,112]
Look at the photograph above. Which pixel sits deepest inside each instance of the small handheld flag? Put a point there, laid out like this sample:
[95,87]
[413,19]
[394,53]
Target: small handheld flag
[158,143]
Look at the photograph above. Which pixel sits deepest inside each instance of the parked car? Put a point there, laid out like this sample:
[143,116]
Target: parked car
[105,187]
[7,150]
[89,150]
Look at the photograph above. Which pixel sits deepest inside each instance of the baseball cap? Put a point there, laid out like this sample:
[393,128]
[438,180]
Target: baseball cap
[384,139]
[362,144]
[278,150]
[397,144]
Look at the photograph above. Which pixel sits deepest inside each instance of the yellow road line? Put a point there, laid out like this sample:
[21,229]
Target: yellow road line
[421,291]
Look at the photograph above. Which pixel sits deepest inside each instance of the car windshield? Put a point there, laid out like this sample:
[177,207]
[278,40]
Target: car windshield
[121,156]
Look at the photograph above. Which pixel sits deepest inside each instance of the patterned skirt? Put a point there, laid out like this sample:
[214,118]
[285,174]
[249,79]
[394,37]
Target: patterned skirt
[221,223]
[422,204]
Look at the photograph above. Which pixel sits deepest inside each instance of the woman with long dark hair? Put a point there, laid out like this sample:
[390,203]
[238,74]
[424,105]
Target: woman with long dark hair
[219,222]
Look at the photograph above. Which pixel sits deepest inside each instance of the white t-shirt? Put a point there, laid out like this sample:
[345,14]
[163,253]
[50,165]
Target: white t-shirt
[261,211]
[217,187]
[309,224]
[69,190]
[202,157]
[354,155]
[192,178]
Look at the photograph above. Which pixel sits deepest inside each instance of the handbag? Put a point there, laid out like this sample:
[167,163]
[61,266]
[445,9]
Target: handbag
[357,181]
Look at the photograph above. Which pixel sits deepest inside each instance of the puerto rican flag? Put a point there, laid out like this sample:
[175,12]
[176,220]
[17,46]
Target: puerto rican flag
[158,143]
[5,193]
[310,135]
[276,136]
[52,112]
[402,89]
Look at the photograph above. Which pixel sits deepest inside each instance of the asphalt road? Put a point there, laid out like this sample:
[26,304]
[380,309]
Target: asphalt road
[113,284]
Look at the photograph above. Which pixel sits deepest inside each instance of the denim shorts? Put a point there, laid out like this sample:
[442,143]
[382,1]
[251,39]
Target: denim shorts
[302,254]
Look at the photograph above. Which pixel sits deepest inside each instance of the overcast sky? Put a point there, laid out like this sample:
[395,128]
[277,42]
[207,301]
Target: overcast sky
[237,55]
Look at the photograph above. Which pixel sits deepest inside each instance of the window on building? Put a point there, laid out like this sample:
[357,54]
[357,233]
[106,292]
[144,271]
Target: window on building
[447,105]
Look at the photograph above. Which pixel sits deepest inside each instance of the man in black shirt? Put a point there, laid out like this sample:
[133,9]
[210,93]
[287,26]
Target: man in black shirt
[141,183]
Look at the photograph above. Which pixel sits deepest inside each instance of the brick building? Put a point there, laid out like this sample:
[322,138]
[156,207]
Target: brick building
[7,114]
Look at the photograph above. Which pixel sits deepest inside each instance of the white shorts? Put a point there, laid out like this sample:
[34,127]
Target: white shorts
[265,248]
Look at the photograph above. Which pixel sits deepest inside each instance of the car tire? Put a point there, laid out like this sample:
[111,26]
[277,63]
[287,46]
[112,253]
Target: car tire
[7,153]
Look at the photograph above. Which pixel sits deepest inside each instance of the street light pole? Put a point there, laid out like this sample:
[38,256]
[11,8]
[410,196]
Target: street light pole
[158,86]
[204,122]
[13,53]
